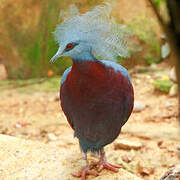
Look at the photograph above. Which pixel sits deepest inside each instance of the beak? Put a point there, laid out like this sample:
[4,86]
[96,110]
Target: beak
[57,55]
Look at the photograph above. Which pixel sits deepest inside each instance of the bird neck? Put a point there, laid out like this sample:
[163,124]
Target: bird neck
[85,66]
[85,56]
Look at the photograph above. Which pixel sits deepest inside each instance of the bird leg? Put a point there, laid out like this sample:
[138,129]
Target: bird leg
[85,169]
[103,164]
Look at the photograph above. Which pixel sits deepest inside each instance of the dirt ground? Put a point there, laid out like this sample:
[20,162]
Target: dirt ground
[35,113]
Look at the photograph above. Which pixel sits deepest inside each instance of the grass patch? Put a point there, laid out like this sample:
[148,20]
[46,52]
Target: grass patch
[32,85]
[146,30]
[144,27]
[163,85]
[151,59]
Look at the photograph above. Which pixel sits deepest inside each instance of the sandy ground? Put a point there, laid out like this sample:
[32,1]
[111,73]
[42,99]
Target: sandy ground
[37,115]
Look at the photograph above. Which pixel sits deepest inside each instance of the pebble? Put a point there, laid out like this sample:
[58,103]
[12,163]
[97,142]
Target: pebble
[52,137]
[127,145]
[168,104]
[18,125]
[139,106]
[165,50]
[178,147]
[173,90]
[172,74]
[163,36]
[154,66]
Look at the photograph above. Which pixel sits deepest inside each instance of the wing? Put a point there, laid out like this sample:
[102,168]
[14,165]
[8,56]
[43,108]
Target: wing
[116,67]
[64,77]
[66,72]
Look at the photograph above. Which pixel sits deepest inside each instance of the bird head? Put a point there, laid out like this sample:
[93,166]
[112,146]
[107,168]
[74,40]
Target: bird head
[90,35]
[77,50]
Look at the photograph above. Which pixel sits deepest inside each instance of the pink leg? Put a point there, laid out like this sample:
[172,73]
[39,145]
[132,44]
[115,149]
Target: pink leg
[103,164]
[86,170]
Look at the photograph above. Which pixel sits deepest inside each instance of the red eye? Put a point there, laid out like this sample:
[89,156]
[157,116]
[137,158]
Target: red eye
[69,46]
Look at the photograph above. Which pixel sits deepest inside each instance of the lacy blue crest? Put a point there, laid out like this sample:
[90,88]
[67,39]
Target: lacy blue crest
[95,27]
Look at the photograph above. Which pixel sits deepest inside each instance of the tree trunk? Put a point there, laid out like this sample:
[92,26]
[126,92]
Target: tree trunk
[174,26]
[172,30]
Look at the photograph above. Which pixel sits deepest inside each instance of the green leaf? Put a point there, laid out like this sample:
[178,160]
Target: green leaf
[158,2]
[163,85]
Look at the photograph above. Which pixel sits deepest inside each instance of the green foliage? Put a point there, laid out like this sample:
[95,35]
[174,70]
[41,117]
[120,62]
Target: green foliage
[29,46]
[29,42]
[163,85]
[120,60]
[42,47]
[158,2]
[34,43]
[145,28]
[151,59]
[31,85]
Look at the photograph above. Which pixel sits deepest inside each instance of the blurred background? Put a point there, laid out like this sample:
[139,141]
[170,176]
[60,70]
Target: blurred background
[27,41]
[29,85]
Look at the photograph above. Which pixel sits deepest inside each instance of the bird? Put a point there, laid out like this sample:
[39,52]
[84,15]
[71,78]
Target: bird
[96,93]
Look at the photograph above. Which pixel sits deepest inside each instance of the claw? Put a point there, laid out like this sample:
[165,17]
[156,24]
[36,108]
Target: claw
[103,164]
[106,165]
[85,171]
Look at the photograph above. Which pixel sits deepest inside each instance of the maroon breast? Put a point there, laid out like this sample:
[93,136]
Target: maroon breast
[96,100]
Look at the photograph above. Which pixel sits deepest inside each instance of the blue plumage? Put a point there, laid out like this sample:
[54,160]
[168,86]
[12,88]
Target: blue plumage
[116,67]
[64,76]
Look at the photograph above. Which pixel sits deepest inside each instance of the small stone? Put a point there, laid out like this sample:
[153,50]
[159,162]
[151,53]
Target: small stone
[165,50]
[18,125]
[172,74]
[163,36]
[168,104]
[127,145]
[173,90]
[52,137]
[178,147]
[153,65]
[139,106]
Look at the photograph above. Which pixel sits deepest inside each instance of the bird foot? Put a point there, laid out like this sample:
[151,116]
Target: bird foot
[106,165]
[85,171]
